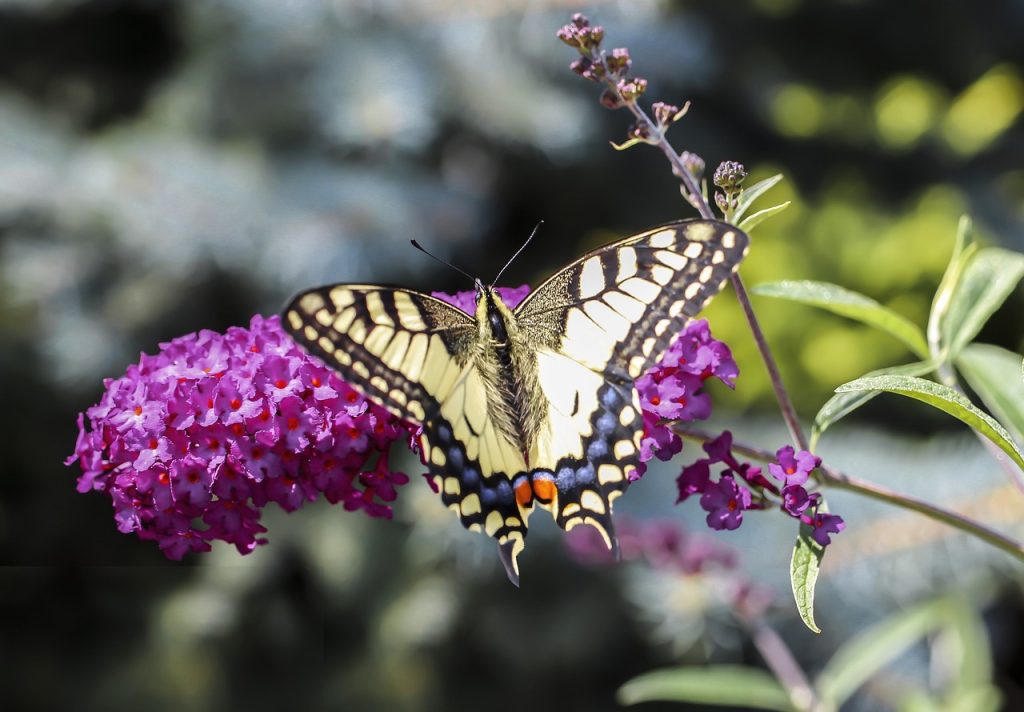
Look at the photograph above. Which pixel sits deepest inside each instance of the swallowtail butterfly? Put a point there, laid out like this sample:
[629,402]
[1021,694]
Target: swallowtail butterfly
[532,406]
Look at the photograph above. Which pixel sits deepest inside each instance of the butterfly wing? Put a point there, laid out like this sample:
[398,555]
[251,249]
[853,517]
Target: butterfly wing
[599,324]
[417,356]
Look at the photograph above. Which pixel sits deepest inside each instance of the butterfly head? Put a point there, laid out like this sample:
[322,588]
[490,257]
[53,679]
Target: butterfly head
[492,314]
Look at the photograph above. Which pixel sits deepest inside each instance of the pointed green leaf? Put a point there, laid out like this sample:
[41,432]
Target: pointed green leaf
[852,305]
[626,144]
[749,195]
[968,645]
[963,249]
[760,216]
[842,404]
[944,398]
[732,685]
[992,373]
[803,574]
[864,655]
[989,277]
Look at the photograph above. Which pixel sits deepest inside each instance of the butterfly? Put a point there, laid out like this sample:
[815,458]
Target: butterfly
[533,406]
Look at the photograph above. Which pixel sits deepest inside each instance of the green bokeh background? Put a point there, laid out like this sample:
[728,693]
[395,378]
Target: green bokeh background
[171,166]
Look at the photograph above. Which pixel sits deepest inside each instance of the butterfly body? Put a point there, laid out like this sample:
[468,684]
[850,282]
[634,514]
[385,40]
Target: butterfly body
[532,406]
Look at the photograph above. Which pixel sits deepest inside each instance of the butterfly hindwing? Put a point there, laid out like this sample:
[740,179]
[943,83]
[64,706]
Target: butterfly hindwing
[416,356]
[613,313]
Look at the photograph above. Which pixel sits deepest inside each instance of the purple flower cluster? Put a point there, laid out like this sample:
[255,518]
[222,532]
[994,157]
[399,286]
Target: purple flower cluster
[673,389]
[741,487]
[191,443]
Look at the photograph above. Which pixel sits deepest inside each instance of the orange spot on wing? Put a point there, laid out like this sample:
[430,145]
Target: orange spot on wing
[523,493]
[544,489]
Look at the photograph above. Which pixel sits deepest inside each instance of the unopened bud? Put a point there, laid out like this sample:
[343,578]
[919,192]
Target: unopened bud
[632,89]
[694,164]
[618,61]
[729,175]
[664,113]
[610,100]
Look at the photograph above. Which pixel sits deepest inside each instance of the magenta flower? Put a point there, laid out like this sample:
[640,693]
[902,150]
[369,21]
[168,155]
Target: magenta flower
[672,389]
[795,500]
[822,525]
[695,479]
[191,443]
[793,468]
[724,501]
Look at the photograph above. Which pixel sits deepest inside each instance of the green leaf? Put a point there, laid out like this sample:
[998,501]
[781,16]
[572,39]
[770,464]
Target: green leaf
[626,144]
[760,216]
[852,305]
[749,195]
[733,685]
[865,654]
[963,249]
[968,645]
[944,398]
[842,404]
[803,574]
[989,277]
[992,373]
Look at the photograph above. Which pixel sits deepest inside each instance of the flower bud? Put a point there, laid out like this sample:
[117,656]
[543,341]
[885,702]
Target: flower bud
[618,61]
[729,175]
[721,201]
[610,100]
[632,89]
[664,113]
[694,164]
[568,35]
[639,131]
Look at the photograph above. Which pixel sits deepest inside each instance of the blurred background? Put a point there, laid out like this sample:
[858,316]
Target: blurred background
[172,166]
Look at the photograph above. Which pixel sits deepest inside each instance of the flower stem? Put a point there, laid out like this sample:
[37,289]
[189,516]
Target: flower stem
[781,394]
[832,477]
[696,198]
[779,659]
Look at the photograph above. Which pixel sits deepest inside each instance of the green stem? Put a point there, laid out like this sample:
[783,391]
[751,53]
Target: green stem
[829,476]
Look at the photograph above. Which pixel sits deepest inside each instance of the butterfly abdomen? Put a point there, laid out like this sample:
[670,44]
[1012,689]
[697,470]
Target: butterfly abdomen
[507,368]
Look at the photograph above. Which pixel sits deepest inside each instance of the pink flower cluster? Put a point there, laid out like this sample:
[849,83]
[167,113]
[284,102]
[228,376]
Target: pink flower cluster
[191,443]
[673,389]
[741,487]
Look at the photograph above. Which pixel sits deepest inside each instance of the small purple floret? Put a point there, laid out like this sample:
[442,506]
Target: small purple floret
[793,468]
[724,501]
[824,524]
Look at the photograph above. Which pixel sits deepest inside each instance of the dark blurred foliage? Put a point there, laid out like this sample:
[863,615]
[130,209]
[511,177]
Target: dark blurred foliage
[166,167]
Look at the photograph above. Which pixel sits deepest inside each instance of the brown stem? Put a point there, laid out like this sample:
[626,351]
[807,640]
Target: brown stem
[779,659]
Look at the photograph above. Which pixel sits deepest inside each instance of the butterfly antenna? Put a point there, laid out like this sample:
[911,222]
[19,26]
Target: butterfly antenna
[420,247]
[502,271]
